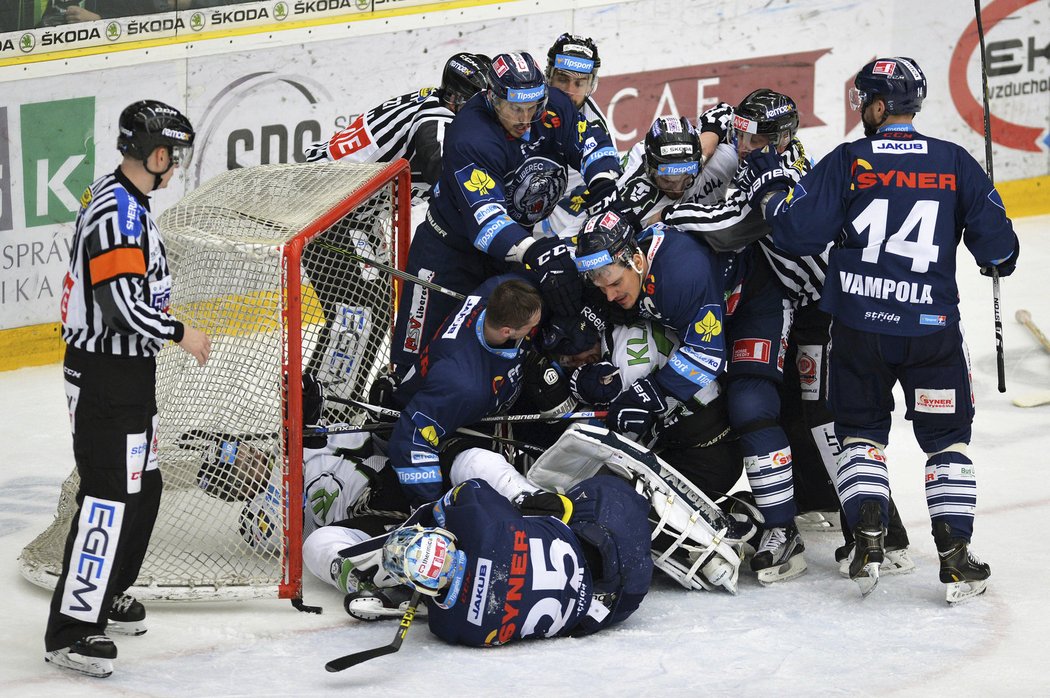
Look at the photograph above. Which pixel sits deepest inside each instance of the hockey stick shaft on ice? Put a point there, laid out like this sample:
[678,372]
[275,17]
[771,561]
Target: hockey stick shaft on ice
[386,412]
[349,660]
[1025,318]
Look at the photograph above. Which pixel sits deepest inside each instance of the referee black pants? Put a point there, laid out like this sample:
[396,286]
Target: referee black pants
[113,412]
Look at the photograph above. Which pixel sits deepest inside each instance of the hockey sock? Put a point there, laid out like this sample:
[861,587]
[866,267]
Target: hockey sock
[951,491]
[862,475]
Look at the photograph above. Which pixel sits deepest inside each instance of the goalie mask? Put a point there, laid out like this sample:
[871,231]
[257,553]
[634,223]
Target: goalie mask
[899,82]
[426,560]
[672,155]
[764,118]
[463,77]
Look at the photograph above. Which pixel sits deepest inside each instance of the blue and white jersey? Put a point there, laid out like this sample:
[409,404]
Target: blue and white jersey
[526,576]
[685,290]
[494,188]
[457,380]
[897,204]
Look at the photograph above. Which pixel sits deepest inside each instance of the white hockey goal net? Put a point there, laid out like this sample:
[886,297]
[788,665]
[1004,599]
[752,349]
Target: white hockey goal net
[264,259]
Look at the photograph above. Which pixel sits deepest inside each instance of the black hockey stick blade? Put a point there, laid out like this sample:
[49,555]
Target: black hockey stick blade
[347,661]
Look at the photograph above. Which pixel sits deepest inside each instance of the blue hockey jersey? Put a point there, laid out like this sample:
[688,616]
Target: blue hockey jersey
[685,290]
[526,576]
[494,187]
[897,204]
[457,380]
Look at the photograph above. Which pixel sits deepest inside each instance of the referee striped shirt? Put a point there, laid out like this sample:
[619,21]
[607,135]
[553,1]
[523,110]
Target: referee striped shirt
[733,221]
[411,126]
[115,295]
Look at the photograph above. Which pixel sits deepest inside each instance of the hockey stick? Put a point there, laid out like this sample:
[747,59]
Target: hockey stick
[499,419]
[380,426]
[1025,318]
[1033,399]
[347,661]
[1000,355]
[403,275]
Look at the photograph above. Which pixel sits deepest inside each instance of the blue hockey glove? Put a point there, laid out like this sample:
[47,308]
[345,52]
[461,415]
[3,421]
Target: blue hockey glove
[560,284]
[763,172]
[1006,265]
[596,384]
[635,409]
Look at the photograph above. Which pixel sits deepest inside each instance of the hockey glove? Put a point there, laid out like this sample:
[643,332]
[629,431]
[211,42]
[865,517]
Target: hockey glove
[560,283]
[596,384]
[601,193]
[546,504]
[762,173]
[635,409]
[1004,266]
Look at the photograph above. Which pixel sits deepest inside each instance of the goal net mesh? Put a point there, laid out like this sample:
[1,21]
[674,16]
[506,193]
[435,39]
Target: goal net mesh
[263,261]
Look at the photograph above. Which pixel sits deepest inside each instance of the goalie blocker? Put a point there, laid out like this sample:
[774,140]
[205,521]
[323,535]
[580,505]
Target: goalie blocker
[694,541]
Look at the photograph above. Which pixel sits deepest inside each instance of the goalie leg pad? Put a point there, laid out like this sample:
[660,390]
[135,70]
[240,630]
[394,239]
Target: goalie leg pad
[690,532]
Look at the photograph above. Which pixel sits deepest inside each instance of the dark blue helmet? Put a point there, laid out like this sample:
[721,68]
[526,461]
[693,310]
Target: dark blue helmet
[516,77]
[899,82]
[607,238]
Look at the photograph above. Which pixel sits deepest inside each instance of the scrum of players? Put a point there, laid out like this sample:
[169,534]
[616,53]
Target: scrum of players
[670,293]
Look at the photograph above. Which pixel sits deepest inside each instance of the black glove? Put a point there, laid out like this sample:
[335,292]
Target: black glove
[600,194]
[764,171]
[635,409]
[560,283]
[1005,266]
[546,504]
[596,384]
[313,399]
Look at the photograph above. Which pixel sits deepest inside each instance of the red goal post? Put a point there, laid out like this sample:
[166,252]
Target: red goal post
[263,260]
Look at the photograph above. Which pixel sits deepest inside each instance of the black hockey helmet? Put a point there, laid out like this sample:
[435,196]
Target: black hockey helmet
[606,239]
[899,82]
[464,75]
[149,124]
[573,54]
[765,113]
[672,154]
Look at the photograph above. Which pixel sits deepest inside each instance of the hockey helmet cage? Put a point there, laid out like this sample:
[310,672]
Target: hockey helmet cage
[464,75]
[146,125]
[426,560]
[766,113]
[606,239]
[573,54]
[672,147]
[516,77]
[899,82]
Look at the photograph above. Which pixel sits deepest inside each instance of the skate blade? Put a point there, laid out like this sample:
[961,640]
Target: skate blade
[894,562]
[90,666]
[868,578]
[959,592]
[131,628]
[817,521]
[794,567]
[720,573]
[372,609]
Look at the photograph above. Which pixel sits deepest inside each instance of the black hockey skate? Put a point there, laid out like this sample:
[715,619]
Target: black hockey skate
[965,575]
[92,655]
[779,555]
[870,547]
[127,616]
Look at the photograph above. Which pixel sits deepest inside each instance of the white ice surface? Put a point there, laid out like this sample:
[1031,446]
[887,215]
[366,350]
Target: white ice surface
[810,636]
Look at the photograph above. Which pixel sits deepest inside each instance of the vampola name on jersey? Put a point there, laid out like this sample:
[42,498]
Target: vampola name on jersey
[534,189]
[877,287]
